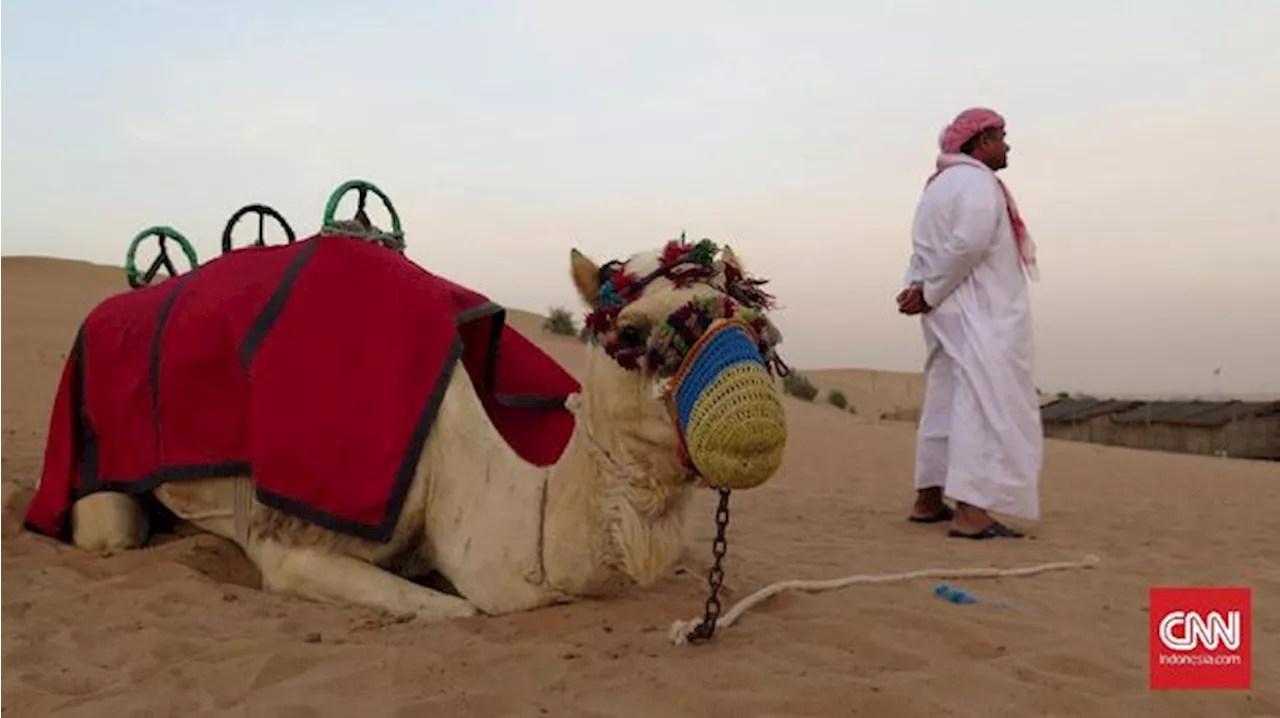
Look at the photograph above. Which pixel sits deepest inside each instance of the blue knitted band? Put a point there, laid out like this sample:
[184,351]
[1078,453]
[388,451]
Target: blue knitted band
[730,346]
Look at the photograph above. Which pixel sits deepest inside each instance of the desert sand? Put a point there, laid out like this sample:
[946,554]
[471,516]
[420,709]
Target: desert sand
[182,629]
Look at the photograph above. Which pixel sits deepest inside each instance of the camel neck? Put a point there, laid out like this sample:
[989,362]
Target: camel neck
[608,520]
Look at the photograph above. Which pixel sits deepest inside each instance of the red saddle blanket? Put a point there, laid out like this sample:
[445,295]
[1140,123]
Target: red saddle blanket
[315,367]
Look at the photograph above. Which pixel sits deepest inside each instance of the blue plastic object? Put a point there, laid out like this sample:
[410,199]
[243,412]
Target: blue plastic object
[954,595]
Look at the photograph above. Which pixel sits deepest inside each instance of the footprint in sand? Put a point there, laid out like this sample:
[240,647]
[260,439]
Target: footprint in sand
[75,681]
[959,635]
[1107,678]
[280,667]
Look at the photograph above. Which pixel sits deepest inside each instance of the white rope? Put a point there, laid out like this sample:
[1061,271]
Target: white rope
[680,629]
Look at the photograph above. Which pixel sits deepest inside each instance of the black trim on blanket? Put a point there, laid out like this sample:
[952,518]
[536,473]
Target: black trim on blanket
[82,433]
[89,477]
[176,473]
[275,304]
[153,365]
[384,530]
[515,401]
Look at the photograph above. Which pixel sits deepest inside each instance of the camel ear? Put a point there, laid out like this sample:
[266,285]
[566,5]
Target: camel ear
[728,256]
[586,277]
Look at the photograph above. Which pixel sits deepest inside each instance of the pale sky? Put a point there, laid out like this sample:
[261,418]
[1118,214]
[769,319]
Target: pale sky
[1146,150]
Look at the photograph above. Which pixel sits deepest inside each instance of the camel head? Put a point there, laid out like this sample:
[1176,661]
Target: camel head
[679,380]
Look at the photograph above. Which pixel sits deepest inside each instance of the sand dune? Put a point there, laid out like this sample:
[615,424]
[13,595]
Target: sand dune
[871,392]
[181,629]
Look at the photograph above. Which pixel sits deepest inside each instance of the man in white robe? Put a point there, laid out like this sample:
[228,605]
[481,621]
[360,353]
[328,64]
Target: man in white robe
[980,440]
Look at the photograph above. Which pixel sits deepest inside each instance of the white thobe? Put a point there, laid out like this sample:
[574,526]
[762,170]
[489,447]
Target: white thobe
[980,435]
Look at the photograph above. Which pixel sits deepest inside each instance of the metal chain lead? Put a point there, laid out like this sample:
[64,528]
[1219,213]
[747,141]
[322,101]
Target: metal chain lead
[715,577]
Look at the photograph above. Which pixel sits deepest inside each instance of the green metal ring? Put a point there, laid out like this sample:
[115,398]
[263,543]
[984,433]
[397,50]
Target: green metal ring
[331,208]
[163,232]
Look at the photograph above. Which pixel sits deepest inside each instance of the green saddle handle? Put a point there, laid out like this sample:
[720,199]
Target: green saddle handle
[137,279]
[363,188]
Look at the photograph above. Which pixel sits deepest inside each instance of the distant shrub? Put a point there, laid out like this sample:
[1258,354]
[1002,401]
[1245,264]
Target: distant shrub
[799,386]
[560,321]
[836,398]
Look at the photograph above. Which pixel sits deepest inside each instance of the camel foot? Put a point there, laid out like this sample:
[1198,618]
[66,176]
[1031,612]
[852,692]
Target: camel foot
[108,521]
[333,578]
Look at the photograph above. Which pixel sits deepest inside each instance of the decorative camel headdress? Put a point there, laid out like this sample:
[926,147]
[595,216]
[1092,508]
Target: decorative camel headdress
[664,348]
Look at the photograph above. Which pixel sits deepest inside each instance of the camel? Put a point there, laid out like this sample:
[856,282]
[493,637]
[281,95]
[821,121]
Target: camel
[508,536]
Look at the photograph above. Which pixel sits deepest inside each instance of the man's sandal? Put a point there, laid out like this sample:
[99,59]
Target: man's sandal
[995,530]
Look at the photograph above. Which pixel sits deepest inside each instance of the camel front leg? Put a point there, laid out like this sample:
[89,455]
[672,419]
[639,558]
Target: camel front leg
[334,578]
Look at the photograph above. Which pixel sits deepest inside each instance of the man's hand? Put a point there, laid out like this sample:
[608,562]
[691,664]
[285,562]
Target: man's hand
[911,300]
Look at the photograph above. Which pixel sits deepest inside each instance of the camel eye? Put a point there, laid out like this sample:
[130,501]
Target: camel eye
[632,335]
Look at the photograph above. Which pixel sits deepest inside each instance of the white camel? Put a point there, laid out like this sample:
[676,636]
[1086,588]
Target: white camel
[509,536]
